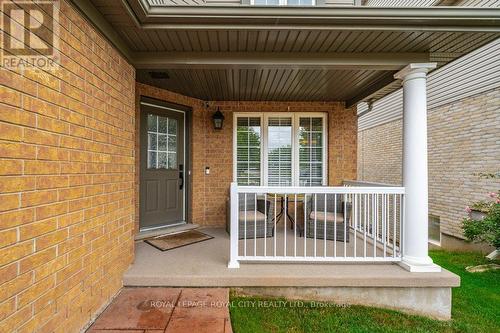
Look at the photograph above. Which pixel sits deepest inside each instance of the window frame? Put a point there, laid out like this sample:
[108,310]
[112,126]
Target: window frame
[438,218]
[264,118]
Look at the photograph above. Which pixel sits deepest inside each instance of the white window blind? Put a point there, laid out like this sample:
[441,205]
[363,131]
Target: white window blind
[248,147]
[300,2]
[279,151]
[283,2]
[266,2]
[311,151]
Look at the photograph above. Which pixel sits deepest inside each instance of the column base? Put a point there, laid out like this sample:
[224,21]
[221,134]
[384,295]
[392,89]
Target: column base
[419,265]
[233,264]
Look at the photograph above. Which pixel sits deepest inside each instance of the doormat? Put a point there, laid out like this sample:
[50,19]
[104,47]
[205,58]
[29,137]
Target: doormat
[173,241]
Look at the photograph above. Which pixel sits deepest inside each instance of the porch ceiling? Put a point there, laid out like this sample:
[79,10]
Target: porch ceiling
[283,39]
[265,84]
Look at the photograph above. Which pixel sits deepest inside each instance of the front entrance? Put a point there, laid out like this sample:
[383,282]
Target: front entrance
[162,166]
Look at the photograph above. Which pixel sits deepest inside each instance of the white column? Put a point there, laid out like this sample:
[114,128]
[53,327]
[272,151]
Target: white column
[415,178]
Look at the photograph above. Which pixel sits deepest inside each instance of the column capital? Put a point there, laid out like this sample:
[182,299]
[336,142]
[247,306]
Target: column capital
[421,69]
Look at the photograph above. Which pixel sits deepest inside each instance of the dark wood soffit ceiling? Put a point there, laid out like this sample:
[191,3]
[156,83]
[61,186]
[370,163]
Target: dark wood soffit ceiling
[281,83]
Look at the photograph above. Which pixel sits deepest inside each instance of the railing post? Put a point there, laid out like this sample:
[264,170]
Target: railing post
[233,237]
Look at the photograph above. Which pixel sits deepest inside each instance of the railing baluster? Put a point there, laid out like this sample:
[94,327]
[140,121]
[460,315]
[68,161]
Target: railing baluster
[394,226]
[401,222]
[305,225]
[364,226]
[388,217]
[295,226]
[245,229]
[384,224]
[265,224]
[324,227]
[335,226]
[274,230]
[255,227]
[355,218]
[284,224]
[345,225]
[375,228]
[315,219]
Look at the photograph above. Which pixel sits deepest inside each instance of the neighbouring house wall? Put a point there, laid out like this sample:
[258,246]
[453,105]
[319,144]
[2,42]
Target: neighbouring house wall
[401,3]
[429,3]
[380,153]
[478,3]
[463,125]
[213,148]
[66,183]
[462,140]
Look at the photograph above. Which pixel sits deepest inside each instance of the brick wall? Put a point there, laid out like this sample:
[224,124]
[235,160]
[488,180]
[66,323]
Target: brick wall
[66,183]
[197,149]
[214,148]
[342,145]
[380,153]
[463,140]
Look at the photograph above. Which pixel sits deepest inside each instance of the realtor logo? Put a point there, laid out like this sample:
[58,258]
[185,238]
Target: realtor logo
[30,34]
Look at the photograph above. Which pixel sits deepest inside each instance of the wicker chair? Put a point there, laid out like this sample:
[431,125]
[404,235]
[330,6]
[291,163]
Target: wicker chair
[318,213]
[257,225]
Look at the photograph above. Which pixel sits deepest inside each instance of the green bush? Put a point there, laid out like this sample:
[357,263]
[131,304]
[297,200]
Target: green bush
[488,229]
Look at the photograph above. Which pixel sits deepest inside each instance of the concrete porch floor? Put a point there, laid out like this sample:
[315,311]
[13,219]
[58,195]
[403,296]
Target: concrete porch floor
[204,264]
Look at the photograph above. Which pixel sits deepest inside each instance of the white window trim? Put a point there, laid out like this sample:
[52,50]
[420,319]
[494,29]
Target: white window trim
[264,116]
[285,3]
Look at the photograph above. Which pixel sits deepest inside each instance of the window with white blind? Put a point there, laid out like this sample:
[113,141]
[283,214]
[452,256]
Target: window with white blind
[248,150]
[311,152]
[280,149]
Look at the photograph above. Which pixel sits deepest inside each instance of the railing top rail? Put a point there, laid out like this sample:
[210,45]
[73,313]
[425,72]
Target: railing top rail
[320,190]
[365,183]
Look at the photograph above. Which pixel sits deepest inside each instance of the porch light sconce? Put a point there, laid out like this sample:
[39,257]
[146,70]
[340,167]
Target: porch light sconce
[218,119]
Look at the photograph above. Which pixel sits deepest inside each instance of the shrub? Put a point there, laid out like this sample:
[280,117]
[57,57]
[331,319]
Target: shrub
[488,228]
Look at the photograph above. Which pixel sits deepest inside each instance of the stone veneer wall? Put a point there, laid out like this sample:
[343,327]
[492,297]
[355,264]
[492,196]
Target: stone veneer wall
[214,148]
[66,183]
[463,139]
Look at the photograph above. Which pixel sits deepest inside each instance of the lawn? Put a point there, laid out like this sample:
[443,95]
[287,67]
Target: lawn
[476,308]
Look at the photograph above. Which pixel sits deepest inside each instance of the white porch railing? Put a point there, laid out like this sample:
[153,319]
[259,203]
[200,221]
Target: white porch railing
[316,224]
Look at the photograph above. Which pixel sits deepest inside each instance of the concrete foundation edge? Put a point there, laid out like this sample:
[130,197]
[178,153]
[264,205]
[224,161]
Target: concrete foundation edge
[433,302]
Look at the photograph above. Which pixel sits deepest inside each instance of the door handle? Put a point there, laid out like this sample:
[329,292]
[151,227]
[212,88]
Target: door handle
[181,177]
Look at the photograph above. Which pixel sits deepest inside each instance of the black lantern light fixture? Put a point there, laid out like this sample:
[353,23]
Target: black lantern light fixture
[218,119]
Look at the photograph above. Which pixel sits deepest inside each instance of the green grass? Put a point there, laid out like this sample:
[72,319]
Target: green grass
[476,308]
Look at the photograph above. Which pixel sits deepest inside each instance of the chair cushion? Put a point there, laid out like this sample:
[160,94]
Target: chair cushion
[252,215]
[330,217]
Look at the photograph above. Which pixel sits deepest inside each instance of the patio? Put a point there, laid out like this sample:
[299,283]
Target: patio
[204,264]
[156,310]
